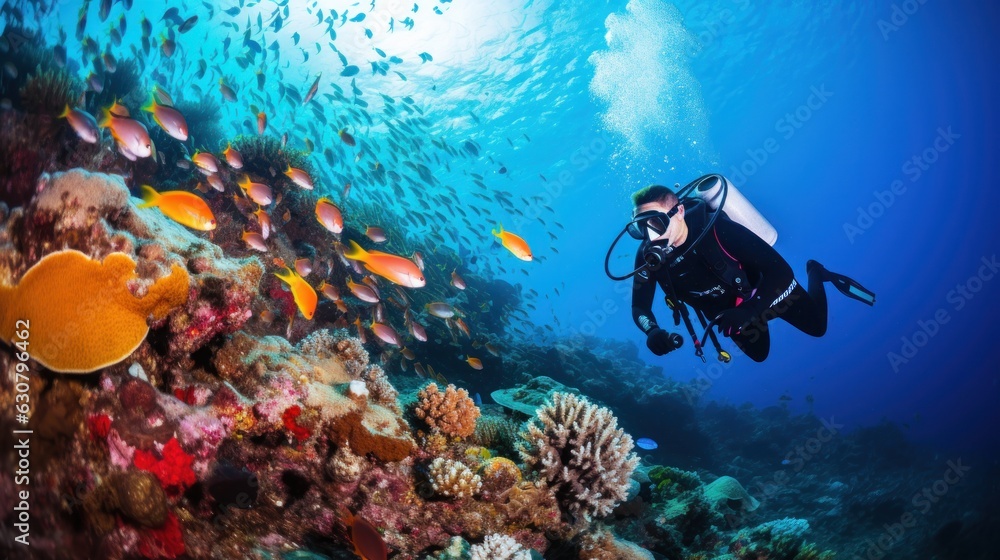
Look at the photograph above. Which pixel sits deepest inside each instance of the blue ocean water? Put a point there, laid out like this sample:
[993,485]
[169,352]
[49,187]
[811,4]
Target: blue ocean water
[814,110]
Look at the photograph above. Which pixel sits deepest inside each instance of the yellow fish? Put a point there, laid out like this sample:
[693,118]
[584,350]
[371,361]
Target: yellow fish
[304,294]
[181,206]
[513,243]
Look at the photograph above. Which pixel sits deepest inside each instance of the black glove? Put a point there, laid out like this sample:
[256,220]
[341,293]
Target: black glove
[660,341]
[732,321]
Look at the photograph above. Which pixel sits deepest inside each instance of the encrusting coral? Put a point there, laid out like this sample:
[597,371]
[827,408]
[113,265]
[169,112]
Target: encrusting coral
[452,413]
[81,312]
[499,547]
[582,454]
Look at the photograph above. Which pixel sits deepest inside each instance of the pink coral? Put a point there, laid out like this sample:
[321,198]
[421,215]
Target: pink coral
[451,413]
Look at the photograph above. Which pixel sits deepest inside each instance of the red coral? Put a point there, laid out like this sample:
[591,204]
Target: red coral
[173,470]
[185,395]
[165,542]
[284,299]
[288,418]
[99,425]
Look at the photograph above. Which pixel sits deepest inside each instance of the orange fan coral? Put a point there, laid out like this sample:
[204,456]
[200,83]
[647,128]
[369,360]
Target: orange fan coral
[452,413]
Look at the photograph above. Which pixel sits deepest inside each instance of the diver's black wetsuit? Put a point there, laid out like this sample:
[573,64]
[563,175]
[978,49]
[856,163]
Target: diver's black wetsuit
[769,274]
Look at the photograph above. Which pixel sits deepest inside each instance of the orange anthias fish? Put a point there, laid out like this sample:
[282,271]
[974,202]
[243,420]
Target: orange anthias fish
[261,122]
[457,280]
[362,292]
[368,543]
[513,243]
[254,240]
[258,192]
[181,206]
[386,333]
[206,162]
[376,234]
[329,215]
[440,309]
[299,177]
[233,157]
[394,268]
[169,119]
[304,294]
[475,363]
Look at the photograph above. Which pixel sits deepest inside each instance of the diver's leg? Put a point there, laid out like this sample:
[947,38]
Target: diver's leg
[754,341]
[806,310]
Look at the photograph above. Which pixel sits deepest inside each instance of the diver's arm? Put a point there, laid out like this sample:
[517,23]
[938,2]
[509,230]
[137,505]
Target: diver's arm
[643,292]
[761,261]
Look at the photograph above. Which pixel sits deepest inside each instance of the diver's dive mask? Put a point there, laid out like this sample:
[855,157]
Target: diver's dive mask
[645,226]
[650,224]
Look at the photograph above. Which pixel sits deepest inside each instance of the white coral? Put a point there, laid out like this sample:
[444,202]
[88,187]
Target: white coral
[581,452]
[453,479]
[499,547]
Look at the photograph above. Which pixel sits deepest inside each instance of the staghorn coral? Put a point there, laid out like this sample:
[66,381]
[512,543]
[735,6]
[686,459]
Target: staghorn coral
[451,413]
[499,547]
[47,92]
[82,313]
[581,453]
[453,479]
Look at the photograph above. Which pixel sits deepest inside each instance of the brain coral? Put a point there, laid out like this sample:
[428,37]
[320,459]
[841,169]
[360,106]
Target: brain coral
[80,313]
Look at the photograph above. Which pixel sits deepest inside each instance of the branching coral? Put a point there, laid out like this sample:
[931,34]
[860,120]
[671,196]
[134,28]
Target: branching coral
[453,479]
[581,453]
[451,413]
[499,547]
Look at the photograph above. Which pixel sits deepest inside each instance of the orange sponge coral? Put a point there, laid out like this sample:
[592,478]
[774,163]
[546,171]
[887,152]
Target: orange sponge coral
[81,315]
[452,413]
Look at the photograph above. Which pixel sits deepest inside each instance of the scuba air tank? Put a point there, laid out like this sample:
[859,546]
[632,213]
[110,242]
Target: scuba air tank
[711,188]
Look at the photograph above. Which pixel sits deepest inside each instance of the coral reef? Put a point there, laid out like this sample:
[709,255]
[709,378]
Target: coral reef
[48,92]
[453,479]
[451,413]
[581,453]
[499,547]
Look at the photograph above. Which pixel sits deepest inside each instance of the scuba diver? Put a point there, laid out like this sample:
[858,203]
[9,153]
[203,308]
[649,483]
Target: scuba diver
[716,257]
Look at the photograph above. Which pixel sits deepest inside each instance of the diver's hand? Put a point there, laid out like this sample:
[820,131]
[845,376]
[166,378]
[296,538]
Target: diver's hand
[660,341]
[734,320]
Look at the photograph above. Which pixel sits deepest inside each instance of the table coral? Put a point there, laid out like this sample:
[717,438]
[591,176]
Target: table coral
[452,412]
[82,315]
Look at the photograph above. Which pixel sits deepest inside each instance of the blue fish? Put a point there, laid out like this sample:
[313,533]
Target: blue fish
[646,443]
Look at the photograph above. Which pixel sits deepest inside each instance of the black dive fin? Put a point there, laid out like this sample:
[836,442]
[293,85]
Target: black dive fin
[851,288]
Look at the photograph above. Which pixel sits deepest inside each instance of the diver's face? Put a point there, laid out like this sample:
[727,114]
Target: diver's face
[677,230]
